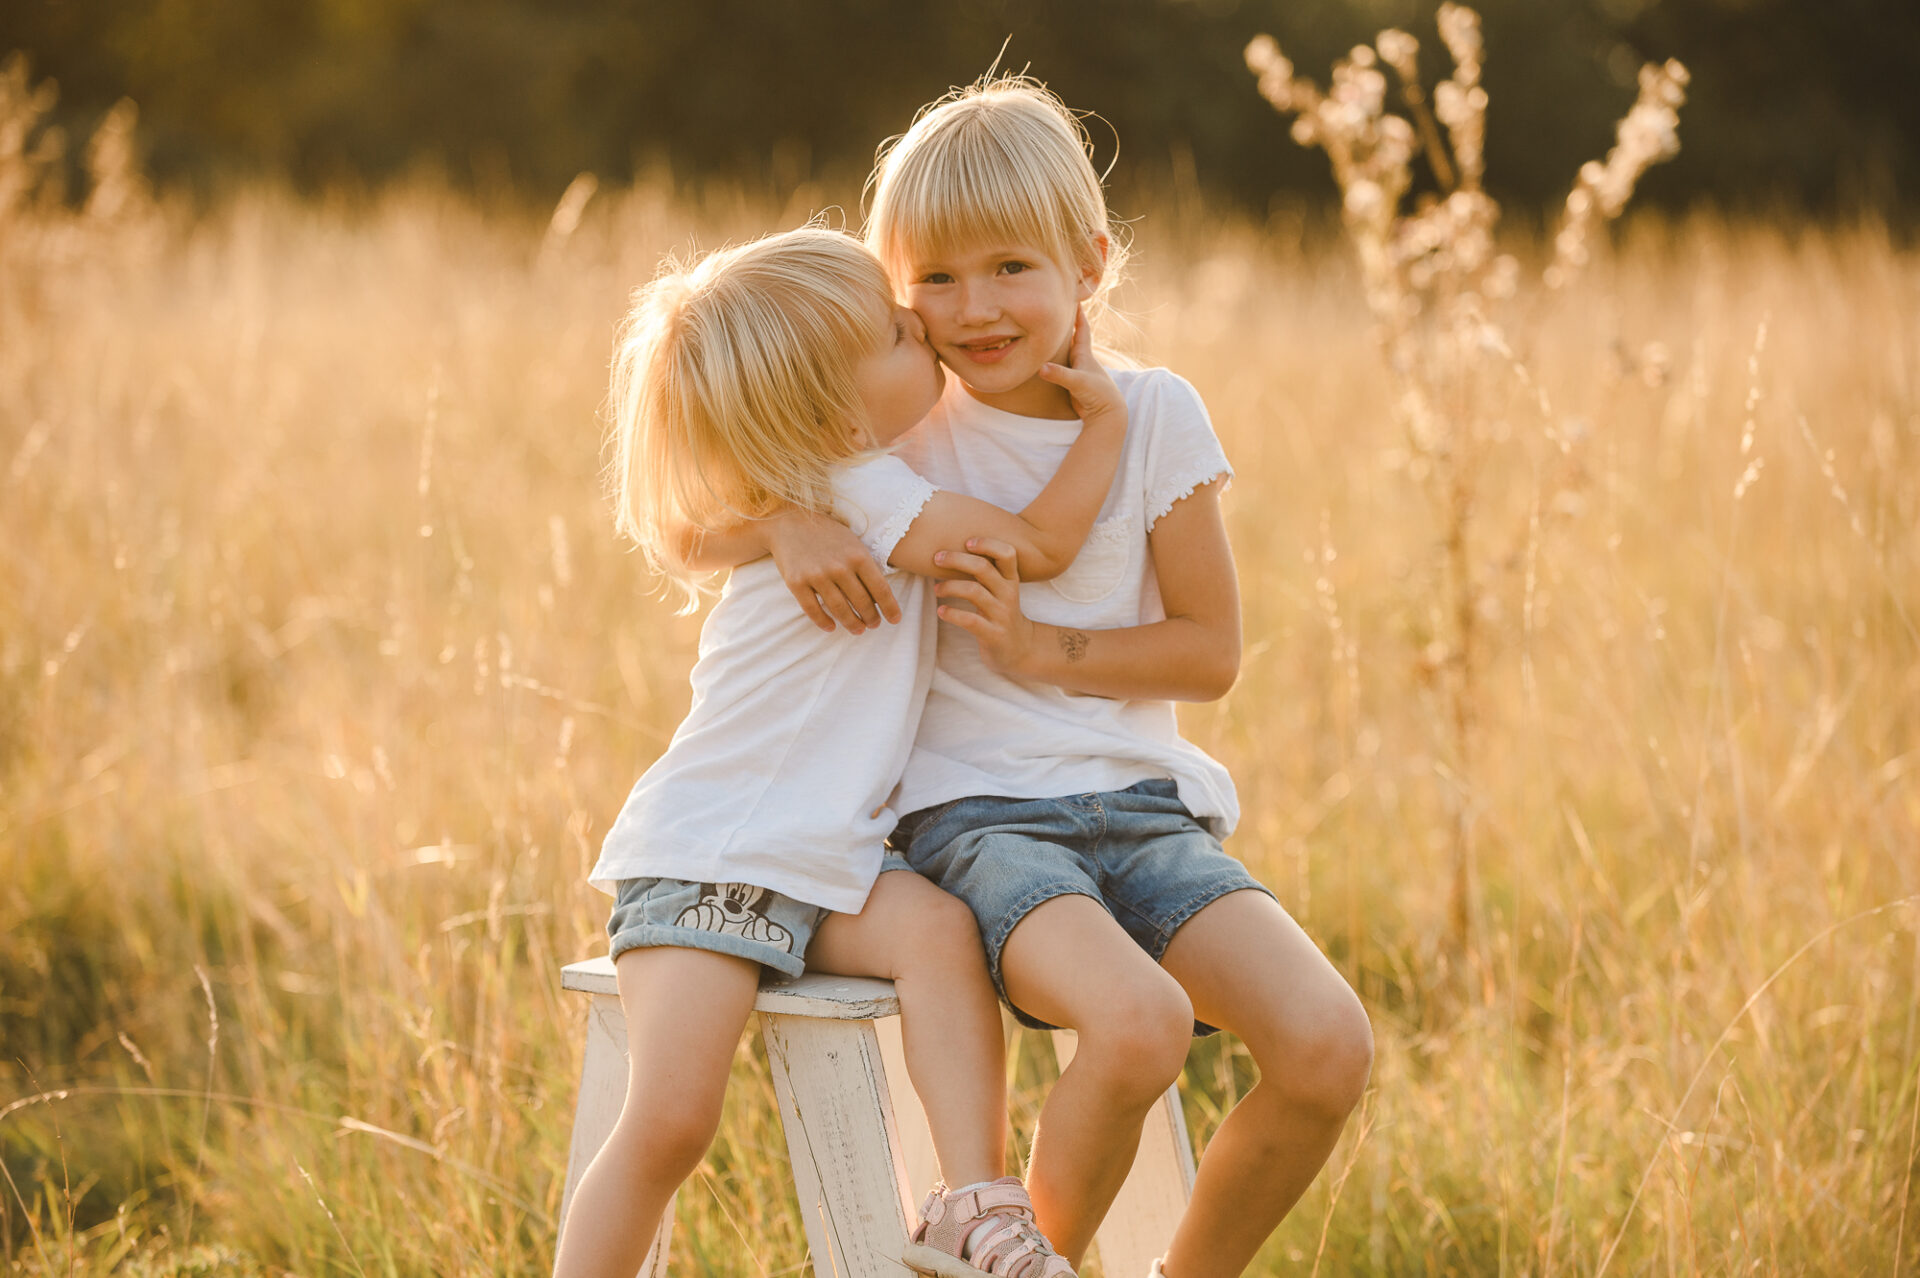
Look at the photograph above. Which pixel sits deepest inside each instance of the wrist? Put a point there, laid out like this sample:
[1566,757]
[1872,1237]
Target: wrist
[1026,663]
[1051,653]
[772,531]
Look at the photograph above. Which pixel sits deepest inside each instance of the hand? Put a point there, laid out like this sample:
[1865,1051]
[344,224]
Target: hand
[1095,396]
[830,571]
[1003,632]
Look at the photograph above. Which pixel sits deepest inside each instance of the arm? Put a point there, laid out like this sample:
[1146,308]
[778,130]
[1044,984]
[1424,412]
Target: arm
[831,573]
[834,578]
[1047,535]
[1194,655]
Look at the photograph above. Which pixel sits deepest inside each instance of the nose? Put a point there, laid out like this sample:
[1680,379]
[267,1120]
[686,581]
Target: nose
[916,327]
[976,303]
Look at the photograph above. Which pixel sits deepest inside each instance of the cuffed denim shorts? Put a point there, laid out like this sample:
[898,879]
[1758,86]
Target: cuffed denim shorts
[728,918]
[1137,851]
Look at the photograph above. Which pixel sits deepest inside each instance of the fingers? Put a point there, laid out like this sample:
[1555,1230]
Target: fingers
[986,603]
[1080,349]
[875,582]
[854,596]
[1002,553]
[1082,339]
[810,604]
[842,610]
[968,592]
[847,599]
[971,622]
[990,572]
[1082,374]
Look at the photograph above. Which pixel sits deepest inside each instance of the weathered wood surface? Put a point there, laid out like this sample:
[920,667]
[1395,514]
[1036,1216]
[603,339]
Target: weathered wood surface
[847,1168]
[856,1132]
[839,998]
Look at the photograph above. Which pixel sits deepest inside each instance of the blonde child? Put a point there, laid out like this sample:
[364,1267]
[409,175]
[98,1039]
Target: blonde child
[768,375]
[1048,786]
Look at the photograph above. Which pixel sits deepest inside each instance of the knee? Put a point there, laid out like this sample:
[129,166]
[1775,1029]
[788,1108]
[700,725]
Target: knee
[1138,1042]
[948,931]
[940,940]
[1325,1062]
[669,1134]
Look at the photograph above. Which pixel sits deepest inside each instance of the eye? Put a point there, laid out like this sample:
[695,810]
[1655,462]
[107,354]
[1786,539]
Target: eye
[936,277]
[1014,268]
[899,332]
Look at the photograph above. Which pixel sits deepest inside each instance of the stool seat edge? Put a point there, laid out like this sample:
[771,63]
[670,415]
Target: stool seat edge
[833,998]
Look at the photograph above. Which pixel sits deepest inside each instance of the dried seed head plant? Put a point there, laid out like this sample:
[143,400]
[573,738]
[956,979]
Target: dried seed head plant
[116,225]
[1432,277]
[1648,134]
[30,149]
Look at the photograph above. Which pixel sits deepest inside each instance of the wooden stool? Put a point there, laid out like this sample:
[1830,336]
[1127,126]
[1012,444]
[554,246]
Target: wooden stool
[856,1134]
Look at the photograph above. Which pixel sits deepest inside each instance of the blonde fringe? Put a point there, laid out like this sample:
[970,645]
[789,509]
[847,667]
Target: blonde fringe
[1001,160]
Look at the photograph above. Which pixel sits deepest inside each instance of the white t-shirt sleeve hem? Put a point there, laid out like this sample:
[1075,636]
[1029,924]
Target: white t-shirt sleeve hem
[1182,452]
[879,497]
[912,502]
[1171,492]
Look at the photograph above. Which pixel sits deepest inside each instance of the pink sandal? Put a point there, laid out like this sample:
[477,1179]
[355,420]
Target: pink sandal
[1014,1247]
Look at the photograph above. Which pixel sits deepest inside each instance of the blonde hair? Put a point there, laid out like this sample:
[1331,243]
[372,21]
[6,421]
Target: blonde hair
[1002,160]
[733,387]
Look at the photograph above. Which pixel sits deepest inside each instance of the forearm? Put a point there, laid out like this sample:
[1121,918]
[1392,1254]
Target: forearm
[1060,518]
[1193,655]
[718,549]
[1179,659]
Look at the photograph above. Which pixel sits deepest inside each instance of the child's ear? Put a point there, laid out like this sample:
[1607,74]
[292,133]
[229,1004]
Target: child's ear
[1092,273]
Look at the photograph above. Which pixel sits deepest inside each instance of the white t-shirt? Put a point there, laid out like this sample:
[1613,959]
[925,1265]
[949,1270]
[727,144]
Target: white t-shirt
[780,773]
[983,733]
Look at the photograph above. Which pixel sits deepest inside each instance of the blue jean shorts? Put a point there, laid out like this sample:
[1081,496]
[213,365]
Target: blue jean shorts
[728,918]
[1137,851]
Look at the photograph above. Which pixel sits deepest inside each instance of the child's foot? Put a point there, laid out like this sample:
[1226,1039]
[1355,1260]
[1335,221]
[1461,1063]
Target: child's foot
[983,1231]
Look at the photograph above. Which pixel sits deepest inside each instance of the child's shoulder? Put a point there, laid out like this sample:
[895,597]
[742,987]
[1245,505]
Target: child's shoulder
[873,466]
[1163,410]
[878,495]
[1171,435]
[877,478]
[1158,390]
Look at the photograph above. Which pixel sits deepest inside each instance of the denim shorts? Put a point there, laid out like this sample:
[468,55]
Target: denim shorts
[728,918]
[1137,851]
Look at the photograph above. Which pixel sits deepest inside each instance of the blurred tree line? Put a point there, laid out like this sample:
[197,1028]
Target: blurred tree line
[1796,103]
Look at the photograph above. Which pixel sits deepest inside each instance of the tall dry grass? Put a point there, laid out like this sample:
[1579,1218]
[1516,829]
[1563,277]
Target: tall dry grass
[321,676]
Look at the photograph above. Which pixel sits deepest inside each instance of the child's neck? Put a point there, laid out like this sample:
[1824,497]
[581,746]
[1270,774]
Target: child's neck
[1035,397]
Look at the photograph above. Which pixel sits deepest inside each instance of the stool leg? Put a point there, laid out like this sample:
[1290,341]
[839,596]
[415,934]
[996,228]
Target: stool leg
[603,1090]
[847,1166]
[1141,1221]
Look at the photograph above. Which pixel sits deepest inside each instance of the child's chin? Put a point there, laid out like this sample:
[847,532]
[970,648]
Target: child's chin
[997,381]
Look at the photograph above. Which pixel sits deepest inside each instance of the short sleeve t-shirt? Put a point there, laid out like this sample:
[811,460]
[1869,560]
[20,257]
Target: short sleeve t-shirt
[780,773]
[983,733]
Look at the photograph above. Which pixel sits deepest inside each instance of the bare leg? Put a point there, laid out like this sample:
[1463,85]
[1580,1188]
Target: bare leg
[685,1009]
[1249,968]
[1068,963]
[927,944]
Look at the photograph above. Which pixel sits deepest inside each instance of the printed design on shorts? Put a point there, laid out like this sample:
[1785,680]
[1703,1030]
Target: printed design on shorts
[735,909]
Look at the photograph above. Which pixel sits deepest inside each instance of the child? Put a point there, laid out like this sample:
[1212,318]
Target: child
[775,373]
[1112,910]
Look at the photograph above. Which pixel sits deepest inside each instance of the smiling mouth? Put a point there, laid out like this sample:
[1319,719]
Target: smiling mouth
[988,350]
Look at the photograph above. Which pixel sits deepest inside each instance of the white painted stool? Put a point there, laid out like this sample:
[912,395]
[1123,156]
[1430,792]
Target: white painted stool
[861,1159]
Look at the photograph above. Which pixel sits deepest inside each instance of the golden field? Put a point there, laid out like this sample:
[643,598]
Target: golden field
[321,675]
